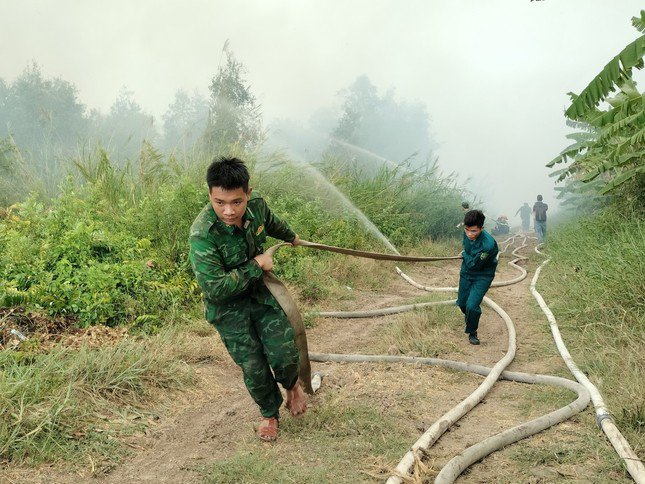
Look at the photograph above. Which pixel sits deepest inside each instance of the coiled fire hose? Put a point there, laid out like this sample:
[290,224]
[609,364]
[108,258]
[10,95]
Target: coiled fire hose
[476,452]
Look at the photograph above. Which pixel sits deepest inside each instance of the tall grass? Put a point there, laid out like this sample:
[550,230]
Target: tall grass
[596,289]
[64,402]
[406,204]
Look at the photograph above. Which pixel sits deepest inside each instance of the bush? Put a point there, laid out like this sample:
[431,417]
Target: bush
[78,259]
[115,250]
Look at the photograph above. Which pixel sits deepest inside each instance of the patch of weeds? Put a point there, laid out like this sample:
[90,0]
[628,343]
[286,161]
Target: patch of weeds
[544,398]
[422,332]
[633,417]
[68,403]
[557,453]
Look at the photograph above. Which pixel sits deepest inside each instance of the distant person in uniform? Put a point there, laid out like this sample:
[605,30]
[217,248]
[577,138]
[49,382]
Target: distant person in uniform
[539,216]
[228,259]
[466,207]
[525,215]
[501,226]
[477,270]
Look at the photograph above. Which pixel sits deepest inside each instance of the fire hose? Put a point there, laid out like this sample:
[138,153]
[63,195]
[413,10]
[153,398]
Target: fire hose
[478,451]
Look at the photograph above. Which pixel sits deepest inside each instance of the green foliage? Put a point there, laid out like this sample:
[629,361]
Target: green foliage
[79,258]
[184,122]
[125,128]
[38,111]
[613,148]
[406,205]
[617,71]
[380,127]
[234,114]
[14,179]
[113,248]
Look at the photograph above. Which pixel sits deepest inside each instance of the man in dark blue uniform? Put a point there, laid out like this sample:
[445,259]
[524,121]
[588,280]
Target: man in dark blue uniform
[477,270]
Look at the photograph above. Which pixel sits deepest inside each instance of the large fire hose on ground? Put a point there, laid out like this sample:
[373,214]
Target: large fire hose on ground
[476,452]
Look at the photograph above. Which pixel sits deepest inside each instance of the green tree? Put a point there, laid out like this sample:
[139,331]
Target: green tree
[38,111]
[390,128]
[46,123]
[185,121]
[4,92]
[126,127]
[360,101]
[234,116]
[14,180]
[614,151]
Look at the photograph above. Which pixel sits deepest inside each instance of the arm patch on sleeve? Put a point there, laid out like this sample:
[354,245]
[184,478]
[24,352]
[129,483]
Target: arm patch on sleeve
[483,255]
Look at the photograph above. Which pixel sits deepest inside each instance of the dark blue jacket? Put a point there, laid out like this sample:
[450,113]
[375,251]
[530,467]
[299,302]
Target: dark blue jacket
[480,255]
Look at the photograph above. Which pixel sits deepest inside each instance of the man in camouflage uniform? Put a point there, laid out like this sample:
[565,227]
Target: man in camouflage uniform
[227,256]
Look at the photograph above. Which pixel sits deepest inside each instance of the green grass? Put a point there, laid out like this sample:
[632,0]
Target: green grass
[426,332]
[594,286]
[345,441]
[66,403]
[574,453]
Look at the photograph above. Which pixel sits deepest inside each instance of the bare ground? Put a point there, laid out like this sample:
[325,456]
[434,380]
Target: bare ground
[215,420]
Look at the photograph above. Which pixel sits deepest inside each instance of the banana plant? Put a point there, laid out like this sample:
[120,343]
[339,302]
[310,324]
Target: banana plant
[611,147]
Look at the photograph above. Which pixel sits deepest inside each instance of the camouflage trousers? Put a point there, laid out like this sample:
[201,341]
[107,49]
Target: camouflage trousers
[259,338]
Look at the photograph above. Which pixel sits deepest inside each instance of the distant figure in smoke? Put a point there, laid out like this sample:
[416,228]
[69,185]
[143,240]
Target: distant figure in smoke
[525,215]
[466,207]
[539,214]
[501,226]
[477,270]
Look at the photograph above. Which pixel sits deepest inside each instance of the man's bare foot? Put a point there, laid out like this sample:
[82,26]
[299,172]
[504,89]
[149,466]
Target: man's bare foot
[296,400]
[268,429]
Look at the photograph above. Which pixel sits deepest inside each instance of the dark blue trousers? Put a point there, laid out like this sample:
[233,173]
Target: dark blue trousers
[472,289]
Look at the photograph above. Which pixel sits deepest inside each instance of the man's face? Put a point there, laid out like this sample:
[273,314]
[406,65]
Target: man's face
[472,231]
[229,205]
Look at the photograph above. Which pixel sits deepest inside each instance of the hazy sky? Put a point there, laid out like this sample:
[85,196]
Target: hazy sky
[493,73]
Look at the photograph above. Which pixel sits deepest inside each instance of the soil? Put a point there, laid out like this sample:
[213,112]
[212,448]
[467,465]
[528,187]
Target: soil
[204,425]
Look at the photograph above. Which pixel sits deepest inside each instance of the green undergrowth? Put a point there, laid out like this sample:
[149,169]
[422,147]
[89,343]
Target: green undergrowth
[594,286]
[91,262]
[576,452]
[112,249]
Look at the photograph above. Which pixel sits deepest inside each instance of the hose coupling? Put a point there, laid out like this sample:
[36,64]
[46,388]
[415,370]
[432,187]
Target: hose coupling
[603,416]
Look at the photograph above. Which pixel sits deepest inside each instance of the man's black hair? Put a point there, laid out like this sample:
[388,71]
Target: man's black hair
[465,205]
[228,173]
[539,198]
[474,218]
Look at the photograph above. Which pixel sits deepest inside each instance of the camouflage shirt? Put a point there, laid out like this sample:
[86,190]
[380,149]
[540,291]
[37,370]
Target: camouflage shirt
[222,255]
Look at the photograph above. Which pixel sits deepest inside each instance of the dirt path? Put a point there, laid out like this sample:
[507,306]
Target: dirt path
[215,420]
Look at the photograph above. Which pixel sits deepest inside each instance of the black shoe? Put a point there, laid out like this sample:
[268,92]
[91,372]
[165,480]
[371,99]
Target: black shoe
[472,338]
